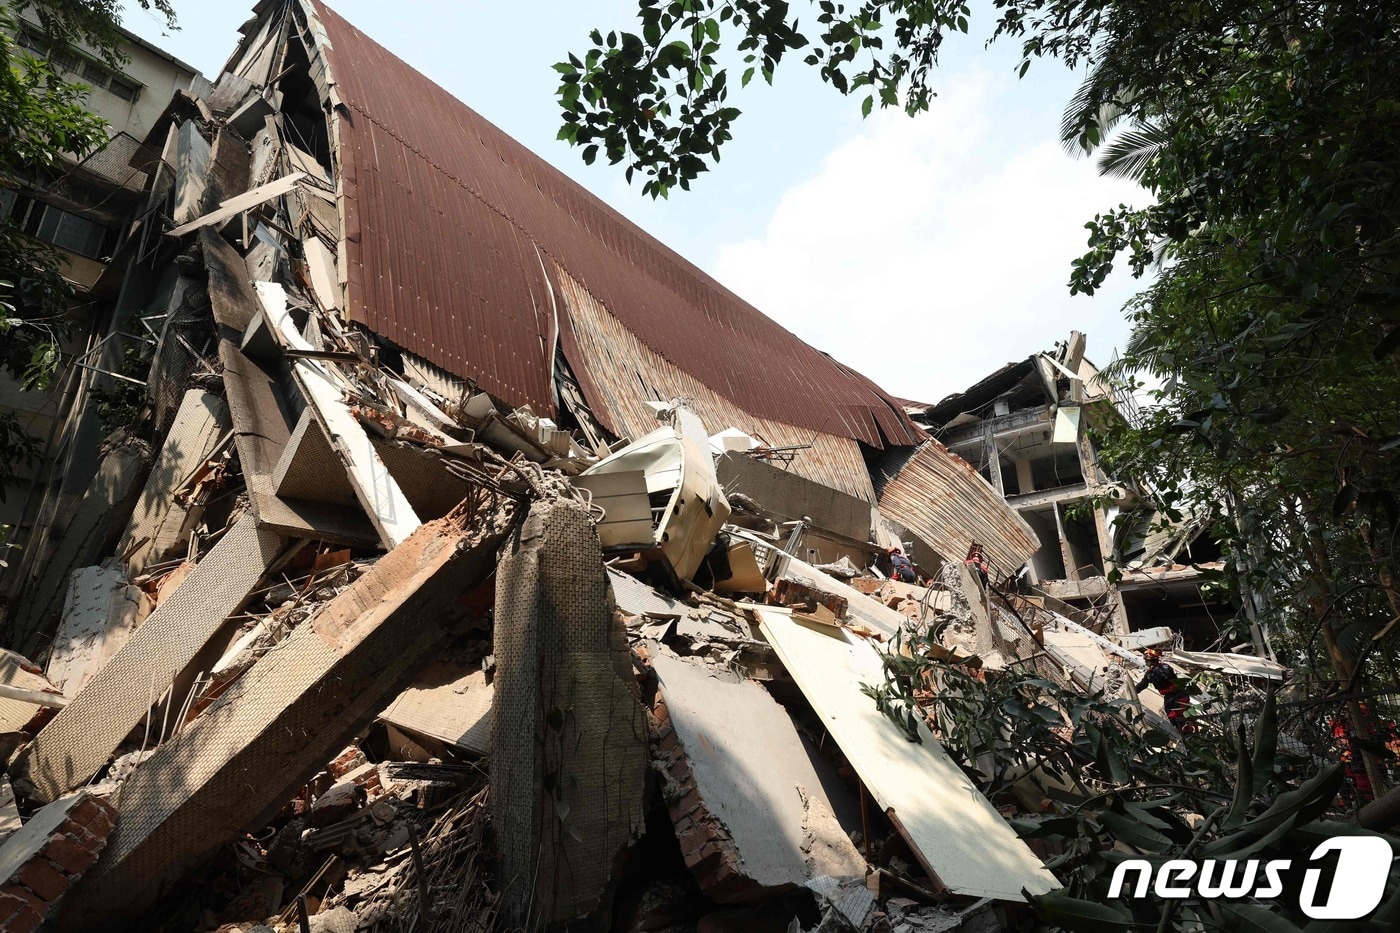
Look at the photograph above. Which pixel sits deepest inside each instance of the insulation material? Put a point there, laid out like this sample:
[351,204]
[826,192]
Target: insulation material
[947,503]
[80,739]
[99,615]
[158,523]
[443,706]
[568,732]
[285,718]
[957,834]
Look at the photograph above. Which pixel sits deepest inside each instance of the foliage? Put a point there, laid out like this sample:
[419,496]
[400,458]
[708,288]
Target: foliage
[1116,786]
[43,123]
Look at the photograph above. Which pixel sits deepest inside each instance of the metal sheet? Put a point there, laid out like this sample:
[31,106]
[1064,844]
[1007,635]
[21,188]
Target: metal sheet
[948,504]
[955,830]
[617,362]
[446,219]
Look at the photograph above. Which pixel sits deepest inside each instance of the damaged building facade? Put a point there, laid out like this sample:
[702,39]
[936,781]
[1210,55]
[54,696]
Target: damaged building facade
[1102,549]
[458,501]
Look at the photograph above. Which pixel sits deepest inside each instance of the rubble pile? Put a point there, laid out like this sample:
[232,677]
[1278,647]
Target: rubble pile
[388,623]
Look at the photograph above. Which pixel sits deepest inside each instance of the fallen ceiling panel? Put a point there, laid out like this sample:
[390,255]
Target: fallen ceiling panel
[952,827]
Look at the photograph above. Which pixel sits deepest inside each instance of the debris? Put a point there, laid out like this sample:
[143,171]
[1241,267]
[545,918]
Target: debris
[568,735]
[963,842]
[672,470]
[290,712]
[452,709]
[45,857]
[99,615]
[78,742]
[748,807]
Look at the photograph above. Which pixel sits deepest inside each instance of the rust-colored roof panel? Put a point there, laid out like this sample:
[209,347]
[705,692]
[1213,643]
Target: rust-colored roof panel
[444,217]
[942,499]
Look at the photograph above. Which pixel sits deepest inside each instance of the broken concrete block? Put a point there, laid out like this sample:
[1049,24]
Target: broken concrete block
[99,615]
[960,840]
[568,732]
[749,808]
[240,762]
[25,692]
[449,708]
[335,804]
[45,857]
[80,739]
[796,594]
[88,533]
[158,523]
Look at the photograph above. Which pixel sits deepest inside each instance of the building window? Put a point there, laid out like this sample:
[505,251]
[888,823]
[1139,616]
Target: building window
[89,71]
[57,226]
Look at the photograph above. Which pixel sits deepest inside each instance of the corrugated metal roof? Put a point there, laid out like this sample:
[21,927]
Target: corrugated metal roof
[449,224]
[948,504]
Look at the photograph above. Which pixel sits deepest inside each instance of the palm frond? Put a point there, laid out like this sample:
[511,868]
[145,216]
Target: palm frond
[1130,152]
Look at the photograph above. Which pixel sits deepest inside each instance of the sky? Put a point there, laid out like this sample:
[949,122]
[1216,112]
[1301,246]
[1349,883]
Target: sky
[924,253]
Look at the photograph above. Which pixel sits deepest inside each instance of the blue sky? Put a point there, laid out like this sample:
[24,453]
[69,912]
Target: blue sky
[924,253]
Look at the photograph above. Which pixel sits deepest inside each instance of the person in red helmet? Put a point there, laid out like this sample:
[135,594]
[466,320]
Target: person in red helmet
[1175,699]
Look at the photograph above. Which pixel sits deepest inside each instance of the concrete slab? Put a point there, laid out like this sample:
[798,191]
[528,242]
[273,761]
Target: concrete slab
[445,705]
[232,768]
[79,740]
[752,774]
[568,732]
[158,522]
[101,612]
[950,825]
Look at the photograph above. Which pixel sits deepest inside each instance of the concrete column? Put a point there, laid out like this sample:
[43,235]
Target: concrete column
[568,732]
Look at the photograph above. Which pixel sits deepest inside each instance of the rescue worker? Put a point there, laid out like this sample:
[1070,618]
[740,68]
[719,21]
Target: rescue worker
[903,567]
[976,560]
[1175,699]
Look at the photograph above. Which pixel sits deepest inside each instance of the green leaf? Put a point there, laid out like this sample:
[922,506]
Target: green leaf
[866,106]
[1126,829]
[1255,919]
[1265,743]
[1081,916]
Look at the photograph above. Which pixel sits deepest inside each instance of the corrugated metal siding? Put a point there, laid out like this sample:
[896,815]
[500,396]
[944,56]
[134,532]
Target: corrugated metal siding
[944,501]
[626,373]
[444,213]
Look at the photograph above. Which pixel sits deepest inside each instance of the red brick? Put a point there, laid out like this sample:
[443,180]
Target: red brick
[96,815]
[687,804]
[81,835]
[9,906]
[24,894]
[44,880]
[27,921]
[71,856]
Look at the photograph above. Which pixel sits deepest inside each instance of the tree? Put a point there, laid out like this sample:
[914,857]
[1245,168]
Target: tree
[1264,133]
[43,122]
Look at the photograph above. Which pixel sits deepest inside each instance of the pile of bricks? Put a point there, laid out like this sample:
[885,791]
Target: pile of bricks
[48,855]
[706,844]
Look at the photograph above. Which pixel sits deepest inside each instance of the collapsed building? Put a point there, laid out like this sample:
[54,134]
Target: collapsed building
[458,501]
[1102,546]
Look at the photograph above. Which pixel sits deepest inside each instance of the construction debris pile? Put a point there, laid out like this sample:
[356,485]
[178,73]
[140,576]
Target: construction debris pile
[380,622]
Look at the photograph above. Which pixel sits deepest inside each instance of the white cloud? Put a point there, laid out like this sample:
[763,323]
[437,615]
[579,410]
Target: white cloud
[926,253]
